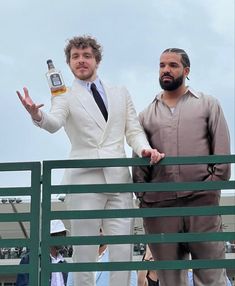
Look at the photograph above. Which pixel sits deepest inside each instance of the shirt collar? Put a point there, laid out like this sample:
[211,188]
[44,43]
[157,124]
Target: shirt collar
[189,91]
[87,84]
[58,258]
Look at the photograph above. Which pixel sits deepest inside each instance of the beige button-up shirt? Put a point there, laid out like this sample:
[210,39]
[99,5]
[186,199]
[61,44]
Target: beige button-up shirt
[195,127]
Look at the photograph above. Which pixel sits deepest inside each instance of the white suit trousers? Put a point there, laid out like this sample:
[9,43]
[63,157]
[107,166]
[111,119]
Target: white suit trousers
[110,226]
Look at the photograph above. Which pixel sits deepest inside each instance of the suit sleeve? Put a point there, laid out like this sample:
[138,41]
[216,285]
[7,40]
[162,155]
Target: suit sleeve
[141,174]
[135,135]
[220,141]
[56,118]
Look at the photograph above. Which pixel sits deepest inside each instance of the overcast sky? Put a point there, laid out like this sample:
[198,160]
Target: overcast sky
[133,35]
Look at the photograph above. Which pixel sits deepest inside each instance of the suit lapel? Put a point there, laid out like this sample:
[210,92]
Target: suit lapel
[88,102]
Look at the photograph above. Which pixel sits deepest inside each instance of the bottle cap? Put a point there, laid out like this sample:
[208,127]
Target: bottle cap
[50,64]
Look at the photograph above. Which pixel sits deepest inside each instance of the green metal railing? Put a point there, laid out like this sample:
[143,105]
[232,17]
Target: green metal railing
[40,275]
[48,214]
[33,217]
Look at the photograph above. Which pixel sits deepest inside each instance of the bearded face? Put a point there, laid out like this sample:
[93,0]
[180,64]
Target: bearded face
[168,82]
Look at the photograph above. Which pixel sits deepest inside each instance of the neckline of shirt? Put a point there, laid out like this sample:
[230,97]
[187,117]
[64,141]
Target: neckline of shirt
[57,259]
[87,84]
[188,89]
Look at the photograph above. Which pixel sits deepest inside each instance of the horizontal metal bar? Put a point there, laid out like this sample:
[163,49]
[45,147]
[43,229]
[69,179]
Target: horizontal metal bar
[140,187]
[19,166]
[143,212]
[12,217]
[146,238]
[15,191]
[138,265]
[122,266]
[14,242]
[14,269]
[121,162]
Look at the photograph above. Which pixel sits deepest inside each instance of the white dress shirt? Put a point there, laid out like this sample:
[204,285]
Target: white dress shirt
[57,277]
[99,87]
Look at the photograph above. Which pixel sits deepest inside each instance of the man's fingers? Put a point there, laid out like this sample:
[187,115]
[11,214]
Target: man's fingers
[20,96]
[39,106]
[27,101]
[154,155]
[30,106]
[26,92]
[145,153]
[158,156]
[18,93]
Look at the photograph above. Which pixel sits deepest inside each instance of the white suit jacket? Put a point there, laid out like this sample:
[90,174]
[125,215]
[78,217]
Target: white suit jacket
[91,136]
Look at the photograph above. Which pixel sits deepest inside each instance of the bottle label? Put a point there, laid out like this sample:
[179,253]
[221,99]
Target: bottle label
[56,80]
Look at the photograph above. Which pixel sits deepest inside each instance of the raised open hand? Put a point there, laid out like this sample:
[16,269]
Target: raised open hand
[30,106]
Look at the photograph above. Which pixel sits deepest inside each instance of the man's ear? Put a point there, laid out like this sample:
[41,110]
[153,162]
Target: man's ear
[186,71]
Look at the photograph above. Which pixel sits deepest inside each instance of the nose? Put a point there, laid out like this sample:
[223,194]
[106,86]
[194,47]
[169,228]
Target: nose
[166,69]
[81,60]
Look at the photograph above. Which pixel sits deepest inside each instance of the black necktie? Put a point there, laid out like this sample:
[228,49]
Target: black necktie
[99,101]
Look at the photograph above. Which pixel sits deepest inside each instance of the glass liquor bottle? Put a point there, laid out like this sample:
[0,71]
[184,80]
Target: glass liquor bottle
[55,79]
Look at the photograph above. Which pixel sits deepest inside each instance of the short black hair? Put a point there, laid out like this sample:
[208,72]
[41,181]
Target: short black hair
[184,57]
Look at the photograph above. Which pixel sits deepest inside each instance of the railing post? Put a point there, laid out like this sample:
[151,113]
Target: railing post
[45,230]
[33,217]
[35,224]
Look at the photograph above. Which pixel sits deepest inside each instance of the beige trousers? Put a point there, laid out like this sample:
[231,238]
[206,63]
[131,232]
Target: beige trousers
[179,251]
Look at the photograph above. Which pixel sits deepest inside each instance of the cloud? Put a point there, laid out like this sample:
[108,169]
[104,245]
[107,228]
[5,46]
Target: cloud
[6,60]
[133,34]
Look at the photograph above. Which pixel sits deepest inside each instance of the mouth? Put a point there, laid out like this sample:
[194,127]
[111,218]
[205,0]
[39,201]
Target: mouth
[166,78]
[81,68]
